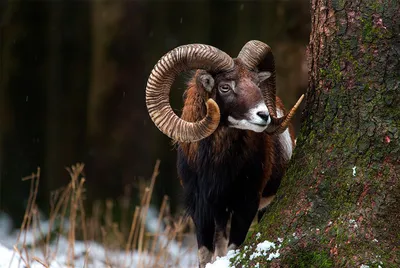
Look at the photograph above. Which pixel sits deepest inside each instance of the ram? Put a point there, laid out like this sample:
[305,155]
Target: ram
[234,138]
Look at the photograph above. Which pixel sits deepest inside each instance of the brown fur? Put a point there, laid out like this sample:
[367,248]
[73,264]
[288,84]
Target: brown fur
[194,110]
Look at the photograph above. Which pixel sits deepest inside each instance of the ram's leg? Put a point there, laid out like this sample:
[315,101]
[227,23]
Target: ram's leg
[221,235]
[242,217]
[198,209]
[205,229]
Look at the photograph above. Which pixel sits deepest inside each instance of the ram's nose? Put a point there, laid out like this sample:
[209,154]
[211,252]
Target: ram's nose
[264,115]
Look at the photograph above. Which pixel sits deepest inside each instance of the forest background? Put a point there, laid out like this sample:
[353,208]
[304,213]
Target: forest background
[72,84]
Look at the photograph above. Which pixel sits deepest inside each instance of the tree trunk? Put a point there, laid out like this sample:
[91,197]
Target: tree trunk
[22,101]
[105,19]
[67,83]
[338,205]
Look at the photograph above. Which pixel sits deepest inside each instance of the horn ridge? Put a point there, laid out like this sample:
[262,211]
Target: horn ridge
[180,59]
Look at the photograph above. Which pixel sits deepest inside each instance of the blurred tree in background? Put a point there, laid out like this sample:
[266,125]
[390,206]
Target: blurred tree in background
[73,76]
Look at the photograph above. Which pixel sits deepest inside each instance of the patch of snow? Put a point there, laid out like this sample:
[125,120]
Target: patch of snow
[258,235]
[354,171]
[274,255]
[354,223]
[255,254]
[6,256]
[266,245]
[223,262]
[262,249]
[280,240]
[364,266]
[97,256]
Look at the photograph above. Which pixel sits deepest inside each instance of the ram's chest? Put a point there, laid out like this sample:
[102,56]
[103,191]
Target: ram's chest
[221,171]
[232,179]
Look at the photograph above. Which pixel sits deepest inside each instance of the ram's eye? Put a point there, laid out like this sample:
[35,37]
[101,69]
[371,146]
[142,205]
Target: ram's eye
[224,88]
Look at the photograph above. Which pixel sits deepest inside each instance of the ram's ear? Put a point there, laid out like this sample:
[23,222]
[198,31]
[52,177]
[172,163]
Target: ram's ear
[262,76]
[206,81]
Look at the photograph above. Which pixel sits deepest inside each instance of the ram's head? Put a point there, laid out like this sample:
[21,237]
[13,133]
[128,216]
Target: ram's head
[241,91]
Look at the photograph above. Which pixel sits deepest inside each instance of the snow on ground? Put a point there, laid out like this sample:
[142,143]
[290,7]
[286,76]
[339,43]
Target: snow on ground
[263,249]
[94,255]
[6,256]
[223,262]
[90,254]
[9,258]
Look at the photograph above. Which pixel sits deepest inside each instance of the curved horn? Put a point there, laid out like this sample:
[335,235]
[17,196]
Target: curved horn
[180,59]
[258,55]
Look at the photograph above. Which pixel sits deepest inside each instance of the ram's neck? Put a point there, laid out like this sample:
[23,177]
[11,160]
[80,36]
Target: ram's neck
[194,108]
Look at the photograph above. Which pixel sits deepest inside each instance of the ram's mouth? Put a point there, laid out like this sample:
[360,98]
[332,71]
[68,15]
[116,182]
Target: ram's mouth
[247,124]
[260,125]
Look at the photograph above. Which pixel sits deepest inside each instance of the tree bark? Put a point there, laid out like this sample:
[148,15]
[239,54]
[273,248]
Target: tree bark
[338,205]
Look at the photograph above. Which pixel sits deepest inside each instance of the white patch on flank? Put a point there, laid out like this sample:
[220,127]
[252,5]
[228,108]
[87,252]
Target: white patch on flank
[285,139]
[253,121]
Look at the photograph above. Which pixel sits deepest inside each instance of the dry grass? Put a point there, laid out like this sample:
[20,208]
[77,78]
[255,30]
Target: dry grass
[136,246]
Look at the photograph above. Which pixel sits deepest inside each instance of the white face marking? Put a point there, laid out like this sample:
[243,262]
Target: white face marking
[285,139]
[253,121]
